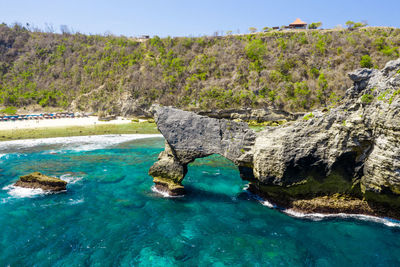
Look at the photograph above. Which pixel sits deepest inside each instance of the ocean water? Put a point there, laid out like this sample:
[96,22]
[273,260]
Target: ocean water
[110,216]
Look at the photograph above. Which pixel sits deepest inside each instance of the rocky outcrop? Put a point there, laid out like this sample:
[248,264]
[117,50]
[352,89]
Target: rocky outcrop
[351,151]
[38,180]
[248,114]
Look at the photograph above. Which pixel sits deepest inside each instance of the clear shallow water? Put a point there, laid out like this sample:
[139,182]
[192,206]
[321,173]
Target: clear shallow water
[110,217]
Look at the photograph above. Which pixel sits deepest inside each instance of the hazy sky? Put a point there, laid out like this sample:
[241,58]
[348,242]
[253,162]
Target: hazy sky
[193,18]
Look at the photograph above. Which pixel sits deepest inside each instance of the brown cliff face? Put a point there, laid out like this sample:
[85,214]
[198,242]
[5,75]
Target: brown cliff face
[351,151]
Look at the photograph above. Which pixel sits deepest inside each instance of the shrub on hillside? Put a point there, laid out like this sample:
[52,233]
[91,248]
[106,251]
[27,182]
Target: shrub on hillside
[293,70]
[366,62]
[367,98]
[9,110]
[255,50]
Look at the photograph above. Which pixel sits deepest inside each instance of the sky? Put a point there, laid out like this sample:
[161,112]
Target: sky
[192,18]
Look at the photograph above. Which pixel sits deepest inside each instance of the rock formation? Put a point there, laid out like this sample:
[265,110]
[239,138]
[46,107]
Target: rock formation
[38,180]
[190,136]
[248,114]
[348,156]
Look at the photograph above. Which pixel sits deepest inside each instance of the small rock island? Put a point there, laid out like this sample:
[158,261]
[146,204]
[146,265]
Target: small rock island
[38,180]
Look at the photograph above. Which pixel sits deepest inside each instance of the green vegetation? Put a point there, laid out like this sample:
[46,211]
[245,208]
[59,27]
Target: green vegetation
[9,110]
[367,98]
[252,29]
[396,93]
[308,116]
[267,29]
[383,95]
[334,183]
[386,47]
[366,62]
[129,128]
[353,25]
[314,25]
[289,70]
[259,126]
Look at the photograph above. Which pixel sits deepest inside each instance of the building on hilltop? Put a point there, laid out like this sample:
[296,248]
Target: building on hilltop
[298,24]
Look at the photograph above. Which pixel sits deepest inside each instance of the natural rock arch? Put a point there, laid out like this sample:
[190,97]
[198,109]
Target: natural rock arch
[190,136]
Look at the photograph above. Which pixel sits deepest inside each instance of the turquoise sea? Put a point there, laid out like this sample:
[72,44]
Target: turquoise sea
[110,216]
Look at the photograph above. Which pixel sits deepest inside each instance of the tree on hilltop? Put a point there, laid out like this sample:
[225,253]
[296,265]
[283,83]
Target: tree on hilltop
[252,29]
[350,24]
[315,25]
[353,25]
[266,29]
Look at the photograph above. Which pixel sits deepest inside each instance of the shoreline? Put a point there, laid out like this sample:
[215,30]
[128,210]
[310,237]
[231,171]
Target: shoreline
[327,206]
[60,122]
[321,214]
[34,129]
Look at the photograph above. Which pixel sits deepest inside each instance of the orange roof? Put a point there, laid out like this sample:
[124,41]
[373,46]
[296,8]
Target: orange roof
[298,22]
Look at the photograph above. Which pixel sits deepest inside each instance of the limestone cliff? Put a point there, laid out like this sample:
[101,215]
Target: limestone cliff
[349,154]
[190,136]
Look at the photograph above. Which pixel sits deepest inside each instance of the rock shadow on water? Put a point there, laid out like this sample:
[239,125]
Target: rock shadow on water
[195,194]
[109,178]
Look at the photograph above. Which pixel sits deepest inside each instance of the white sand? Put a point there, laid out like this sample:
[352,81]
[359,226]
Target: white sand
[31,124]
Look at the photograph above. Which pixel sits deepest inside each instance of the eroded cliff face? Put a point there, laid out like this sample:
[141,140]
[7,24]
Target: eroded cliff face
[349,154]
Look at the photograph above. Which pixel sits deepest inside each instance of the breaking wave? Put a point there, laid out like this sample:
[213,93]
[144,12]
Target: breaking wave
[74,143]
[320,216]
[22,192]
[163,193]
[70,179]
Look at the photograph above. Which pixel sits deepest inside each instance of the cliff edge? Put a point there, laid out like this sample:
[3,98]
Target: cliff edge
[344,160]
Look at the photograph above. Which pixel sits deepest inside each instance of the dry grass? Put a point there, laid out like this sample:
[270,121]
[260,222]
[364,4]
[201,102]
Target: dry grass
[129,128]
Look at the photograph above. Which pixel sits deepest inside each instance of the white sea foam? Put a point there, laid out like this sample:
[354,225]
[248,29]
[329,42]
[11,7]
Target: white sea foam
[321,216]
[76,201]
[163,193]
[21,192]
[268,204]
[75,143]
[70,179]
[212,173]
[264,202]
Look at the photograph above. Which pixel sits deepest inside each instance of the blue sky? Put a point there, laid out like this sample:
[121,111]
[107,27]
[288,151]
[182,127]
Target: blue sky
[193,18]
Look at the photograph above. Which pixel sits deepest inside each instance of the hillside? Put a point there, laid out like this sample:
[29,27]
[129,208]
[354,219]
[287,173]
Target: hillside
[290,70]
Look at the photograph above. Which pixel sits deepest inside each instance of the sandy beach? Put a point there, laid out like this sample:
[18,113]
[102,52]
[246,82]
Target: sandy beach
[63,122]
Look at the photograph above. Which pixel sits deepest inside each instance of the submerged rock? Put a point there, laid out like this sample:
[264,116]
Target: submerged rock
[38,180]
